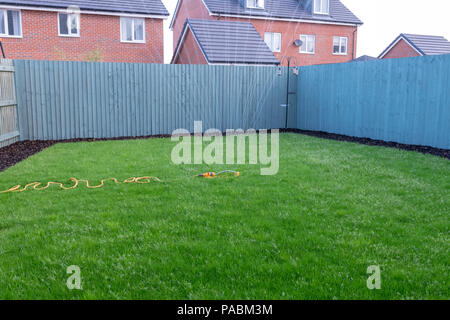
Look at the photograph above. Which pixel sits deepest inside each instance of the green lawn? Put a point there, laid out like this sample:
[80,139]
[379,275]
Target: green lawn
[309,232]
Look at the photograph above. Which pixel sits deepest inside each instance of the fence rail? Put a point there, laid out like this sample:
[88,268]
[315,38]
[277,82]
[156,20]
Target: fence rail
[64,100]
[9,132]
[401,100]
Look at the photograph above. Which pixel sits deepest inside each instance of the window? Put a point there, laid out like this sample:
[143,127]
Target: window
[309,44]
[322,6]
[10,23]
[255,4]
[132,30]
[69,24]
[340,45]
[273,40]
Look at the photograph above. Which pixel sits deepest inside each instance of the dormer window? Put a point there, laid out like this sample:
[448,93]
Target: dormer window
[255,4]
[321,6]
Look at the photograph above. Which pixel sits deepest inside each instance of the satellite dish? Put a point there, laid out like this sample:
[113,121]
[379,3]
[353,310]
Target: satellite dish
[298,43]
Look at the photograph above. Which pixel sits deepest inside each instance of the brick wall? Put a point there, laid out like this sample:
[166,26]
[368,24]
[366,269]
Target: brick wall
[324,33]
[193,9]
[99,38]
[291,31]
[401,50]
[190,52]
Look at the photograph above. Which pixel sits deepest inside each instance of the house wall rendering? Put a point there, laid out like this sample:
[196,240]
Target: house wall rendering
[99,39]
[290,31]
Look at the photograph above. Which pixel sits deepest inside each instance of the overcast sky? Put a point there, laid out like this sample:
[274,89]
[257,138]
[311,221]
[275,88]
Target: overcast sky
[383,21]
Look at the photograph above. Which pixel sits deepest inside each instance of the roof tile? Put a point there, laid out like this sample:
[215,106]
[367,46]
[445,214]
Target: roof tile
[429,45]
[154,7]
[284,9]
[231,42]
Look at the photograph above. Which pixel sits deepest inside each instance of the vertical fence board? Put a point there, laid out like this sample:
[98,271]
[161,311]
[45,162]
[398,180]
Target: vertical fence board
[401,100]
[64,100]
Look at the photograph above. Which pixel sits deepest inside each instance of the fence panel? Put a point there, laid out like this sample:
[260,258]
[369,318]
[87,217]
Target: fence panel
[401,100]
[9,132]
[64,100]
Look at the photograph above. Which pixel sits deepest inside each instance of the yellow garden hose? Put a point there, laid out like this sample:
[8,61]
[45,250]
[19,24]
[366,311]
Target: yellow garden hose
[140,180]
[37,185]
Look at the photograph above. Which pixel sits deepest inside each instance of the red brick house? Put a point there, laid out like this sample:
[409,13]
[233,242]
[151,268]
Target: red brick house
[83,30]
[326,28]
[414,45]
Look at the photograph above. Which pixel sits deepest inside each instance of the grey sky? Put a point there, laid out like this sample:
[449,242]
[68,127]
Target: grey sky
[383,21]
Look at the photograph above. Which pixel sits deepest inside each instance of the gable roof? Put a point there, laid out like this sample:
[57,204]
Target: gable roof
[424,45]
[228,42]
[149,7]
[281,10]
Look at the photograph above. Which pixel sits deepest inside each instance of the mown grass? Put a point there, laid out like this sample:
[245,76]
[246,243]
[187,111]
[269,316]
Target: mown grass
[309,232]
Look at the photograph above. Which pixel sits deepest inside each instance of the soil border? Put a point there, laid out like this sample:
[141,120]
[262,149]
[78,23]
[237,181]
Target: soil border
[19,151]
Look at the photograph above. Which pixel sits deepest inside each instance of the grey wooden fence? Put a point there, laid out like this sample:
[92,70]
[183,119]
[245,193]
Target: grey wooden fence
[64,100]
[9,132]
[401,100]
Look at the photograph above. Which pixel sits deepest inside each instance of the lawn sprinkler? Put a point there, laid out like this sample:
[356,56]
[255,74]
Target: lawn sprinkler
[213,174]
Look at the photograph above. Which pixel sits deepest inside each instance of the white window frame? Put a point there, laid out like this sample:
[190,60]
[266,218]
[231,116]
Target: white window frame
[70,34]
[322,11]
[340,46]
[258,4]
[271,41]
[6,34]
[133,19]
[307,36]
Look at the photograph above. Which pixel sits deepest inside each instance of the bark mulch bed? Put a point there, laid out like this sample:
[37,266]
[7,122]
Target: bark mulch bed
[19,151]
[444,153]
